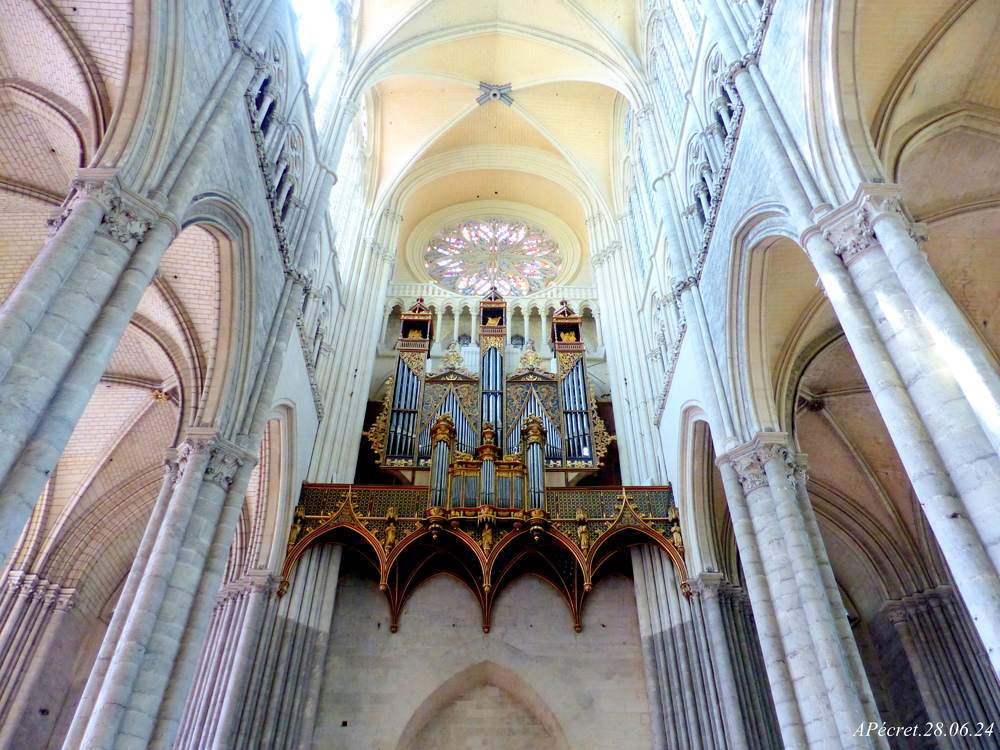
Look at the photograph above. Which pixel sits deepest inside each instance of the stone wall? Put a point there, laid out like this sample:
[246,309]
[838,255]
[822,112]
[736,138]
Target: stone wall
[530,682]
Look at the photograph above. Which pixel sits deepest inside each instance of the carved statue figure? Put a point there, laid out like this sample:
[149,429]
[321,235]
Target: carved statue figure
[390,531]
[493,321]
[582,531]
[413,333]
[567,336]
[486,519]
[298,518]
[487,539]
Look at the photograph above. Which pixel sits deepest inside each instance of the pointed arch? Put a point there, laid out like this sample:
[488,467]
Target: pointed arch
[482,674]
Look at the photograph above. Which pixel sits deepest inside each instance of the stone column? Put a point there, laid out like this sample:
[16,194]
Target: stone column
[279,708]
[128,702]
[728,691]
[23,682]
[91,198]
[97,673]
[225,662]
[844,697]
[953,466]
[819,662]
[793,669]
[61,359]
[941,647]
[963,350]
[692,704]
[832,589]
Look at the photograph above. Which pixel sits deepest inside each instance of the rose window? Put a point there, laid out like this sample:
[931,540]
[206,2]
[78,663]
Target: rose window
[472,257]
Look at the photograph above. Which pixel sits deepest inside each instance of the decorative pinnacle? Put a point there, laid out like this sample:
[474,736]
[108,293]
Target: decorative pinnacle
[494,93]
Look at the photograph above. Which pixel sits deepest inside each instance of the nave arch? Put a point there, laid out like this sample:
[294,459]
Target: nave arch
[178,365]
[512,701]
[799,378]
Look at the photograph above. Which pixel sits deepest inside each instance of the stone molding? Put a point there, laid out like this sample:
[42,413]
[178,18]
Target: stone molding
[607,254]
[225,458]
[33,587]
[749,460]
[851,228]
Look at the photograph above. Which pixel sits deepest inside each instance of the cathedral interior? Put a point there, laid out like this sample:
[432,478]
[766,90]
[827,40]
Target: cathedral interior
[522,374]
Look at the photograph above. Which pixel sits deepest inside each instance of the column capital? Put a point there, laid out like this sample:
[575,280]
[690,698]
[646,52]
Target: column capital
[225,460]
[224,457]
[708,583]
[749,459]
[895,612]
[851,228]
[603,256]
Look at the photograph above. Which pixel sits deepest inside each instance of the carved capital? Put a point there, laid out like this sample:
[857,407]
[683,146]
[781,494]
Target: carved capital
[707,584]
[644,114]
[126,223]
[603,256]
[96,188]
[738,66]
[852,237]
[896,613]
[750,472]
[196,443]
[684,284]
[299,277]
[65,600]
[226,459]
[392,216]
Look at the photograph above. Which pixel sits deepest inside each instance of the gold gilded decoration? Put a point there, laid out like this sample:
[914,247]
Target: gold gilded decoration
[675,530]
[567,361]
[486,520]
[567,336]
[443,430]
[530,360]
[298,518]
[582,534]
[159,396]
[413,333]
[602,439]
[392,530]
[493,342]
[380,427]
[452,358]
[415,361]
[533,430]
[493,321]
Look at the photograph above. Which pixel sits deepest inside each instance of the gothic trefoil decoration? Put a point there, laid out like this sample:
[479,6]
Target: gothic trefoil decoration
[402,537]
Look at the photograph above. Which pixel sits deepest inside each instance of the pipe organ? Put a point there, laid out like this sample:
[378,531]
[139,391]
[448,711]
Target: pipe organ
[495,437]
[493,449]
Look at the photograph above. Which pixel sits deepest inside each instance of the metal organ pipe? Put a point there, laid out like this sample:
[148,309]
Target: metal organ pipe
[442,438]
[533,435]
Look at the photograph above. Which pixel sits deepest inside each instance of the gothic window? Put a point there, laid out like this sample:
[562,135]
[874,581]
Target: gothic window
[472,257]
[640,232]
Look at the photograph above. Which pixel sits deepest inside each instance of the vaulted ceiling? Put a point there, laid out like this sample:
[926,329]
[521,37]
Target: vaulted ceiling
[545,154]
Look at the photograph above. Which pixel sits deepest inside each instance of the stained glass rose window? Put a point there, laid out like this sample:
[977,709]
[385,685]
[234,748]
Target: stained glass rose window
[472,257]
